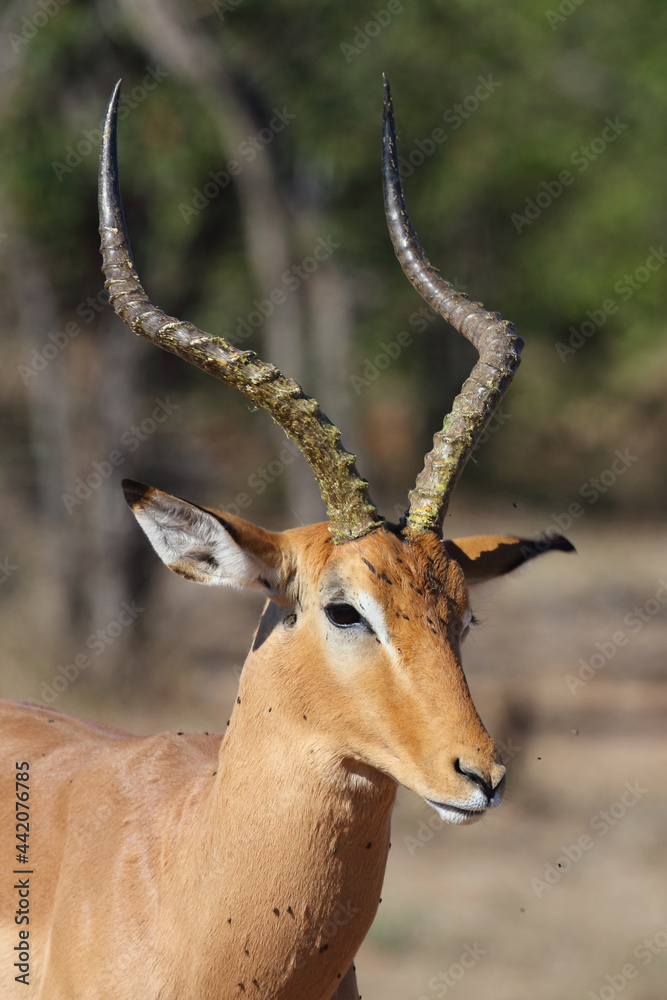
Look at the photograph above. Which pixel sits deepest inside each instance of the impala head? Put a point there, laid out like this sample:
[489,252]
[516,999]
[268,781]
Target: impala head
[364,620]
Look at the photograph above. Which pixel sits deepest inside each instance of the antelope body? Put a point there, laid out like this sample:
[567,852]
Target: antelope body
[197,867]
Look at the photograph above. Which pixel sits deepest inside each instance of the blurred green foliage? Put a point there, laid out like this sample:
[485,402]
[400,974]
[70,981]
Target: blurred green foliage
[555,74]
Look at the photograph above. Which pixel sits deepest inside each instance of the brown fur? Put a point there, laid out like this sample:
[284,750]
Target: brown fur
[198,867]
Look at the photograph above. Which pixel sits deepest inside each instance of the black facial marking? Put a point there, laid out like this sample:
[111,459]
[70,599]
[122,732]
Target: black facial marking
[370,566]
[383,576]
[269,620]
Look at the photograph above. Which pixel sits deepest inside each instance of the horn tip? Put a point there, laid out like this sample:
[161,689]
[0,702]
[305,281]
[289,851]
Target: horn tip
[112,107]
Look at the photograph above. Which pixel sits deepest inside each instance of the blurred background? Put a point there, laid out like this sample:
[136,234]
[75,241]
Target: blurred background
[532,145]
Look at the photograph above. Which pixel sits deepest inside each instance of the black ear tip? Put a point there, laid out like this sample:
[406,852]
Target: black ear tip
[545,543]
[134,492]
[561,544]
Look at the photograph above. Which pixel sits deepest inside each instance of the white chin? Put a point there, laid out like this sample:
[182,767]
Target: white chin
[452,814]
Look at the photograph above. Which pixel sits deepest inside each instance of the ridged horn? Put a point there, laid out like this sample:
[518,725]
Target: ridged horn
[498,345]
[344,492]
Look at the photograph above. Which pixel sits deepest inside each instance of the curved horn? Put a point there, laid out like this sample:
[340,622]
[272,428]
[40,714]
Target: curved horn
[344,492]
[498,346]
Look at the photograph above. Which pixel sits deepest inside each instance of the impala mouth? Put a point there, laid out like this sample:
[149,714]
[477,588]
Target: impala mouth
[455,814]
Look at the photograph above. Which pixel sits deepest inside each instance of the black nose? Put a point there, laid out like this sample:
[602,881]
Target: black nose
[480,779]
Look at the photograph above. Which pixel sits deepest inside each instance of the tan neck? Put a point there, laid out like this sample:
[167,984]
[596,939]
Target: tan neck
[310,835]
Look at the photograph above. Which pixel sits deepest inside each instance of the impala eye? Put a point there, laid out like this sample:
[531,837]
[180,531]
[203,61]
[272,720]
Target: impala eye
[343,615]
[466,631]
[468,620]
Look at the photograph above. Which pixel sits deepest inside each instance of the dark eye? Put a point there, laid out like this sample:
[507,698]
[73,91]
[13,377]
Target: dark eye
[473,621]
[343,615]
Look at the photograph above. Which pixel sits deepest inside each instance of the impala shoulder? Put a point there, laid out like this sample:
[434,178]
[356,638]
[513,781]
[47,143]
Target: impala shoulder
[36,716]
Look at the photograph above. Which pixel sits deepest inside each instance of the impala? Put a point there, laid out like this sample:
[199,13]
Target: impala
[207,867]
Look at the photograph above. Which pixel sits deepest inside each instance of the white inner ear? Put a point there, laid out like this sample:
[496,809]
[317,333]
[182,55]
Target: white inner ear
[196,545]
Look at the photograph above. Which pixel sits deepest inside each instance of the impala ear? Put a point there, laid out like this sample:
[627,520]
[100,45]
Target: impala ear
[205,545]
[484,557]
